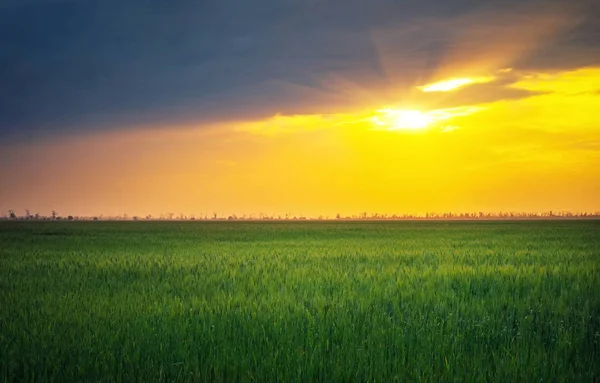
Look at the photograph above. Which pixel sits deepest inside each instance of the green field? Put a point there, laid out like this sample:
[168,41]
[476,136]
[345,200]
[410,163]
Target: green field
[300,301]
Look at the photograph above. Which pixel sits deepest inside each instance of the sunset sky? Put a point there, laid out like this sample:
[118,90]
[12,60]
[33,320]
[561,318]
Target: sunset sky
[305,107]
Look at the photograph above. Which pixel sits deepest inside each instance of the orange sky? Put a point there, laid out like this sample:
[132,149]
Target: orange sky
[496,138]
[536,153]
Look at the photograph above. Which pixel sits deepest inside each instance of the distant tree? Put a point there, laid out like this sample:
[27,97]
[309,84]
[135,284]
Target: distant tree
[11,214]
[70,218]
[170,215]
[54,215]
[28,214]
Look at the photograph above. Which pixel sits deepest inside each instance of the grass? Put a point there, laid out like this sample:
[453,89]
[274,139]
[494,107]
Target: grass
[308,301]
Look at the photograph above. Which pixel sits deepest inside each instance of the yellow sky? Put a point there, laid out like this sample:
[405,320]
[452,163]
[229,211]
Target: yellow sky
[533,145]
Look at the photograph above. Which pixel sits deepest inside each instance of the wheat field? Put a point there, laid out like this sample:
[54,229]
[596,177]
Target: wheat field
[300,301]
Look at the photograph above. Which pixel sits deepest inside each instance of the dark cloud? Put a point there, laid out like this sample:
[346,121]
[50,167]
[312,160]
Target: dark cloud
[84,64]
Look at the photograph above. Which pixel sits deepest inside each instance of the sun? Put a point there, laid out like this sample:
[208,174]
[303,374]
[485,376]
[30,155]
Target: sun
[395,119]
[412,119]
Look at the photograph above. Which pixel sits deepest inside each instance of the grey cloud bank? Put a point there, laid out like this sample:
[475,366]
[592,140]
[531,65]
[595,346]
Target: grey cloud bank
[77,66]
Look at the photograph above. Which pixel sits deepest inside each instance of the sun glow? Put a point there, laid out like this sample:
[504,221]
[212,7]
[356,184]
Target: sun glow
[389,118]
[533,151]
[454,83]
[402,119]
[410,119]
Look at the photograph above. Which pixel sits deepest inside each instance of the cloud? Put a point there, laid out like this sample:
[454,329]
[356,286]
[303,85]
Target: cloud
[478,94]
[572,82]
[533,100]
[77,66]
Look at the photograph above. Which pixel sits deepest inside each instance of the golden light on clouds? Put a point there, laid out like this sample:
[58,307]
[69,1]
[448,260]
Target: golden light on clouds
[572,82]
[455,83]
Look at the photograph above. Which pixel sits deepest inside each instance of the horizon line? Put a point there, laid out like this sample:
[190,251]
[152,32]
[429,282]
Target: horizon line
[479,216]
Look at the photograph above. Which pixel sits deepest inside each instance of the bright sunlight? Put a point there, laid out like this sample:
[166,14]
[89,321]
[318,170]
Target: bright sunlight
[402,119]
[455,83]
[410,119]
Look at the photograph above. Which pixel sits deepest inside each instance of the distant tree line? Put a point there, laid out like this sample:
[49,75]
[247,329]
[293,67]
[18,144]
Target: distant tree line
[28,216]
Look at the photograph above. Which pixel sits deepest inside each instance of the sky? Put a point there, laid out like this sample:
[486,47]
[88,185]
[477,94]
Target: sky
[300,107]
